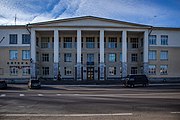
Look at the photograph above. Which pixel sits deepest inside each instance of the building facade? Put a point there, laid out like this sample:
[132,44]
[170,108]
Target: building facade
[88,48]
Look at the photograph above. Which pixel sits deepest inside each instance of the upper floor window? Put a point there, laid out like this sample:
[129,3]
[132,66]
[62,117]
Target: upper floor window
[164,39]
[134,42]
[13,39]
[90,57]
[112,57]
[26,39]
[45,57]
[152,55]
[26,54]
[45,42]
[67,57]
[90,42]
[112,43]
[152,40]
[164,55]
[134,57]
[13,54]
[67,42]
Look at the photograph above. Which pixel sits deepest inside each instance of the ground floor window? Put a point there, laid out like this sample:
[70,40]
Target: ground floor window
[67,71]
[26,70]
[112,71]
[152,69]
[134,70]
[163,69]
[13,70]
[45,70]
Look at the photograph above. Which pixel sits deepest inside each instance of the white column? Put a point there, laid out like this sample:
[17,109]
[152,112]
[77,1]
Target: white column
[33,54]
[79,55]
[124,53]
[145,53]
[56,53]
[102,55]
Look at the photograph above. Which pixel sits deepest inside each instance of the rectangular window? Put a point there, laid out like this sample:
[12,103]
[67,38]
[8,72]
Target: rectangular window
[98,42]
[112,57]
[25,70]
[45,42]
[1,71]
[120,42]
[152,69]
[152,40]
[37,56]
[67,71]
[90,42]
[112,43]
[45,57]
[67,42]
[26,54]
[163,69]
[134,42]
[67,57]
[164,39]
[134,70]
[26,39]
[13,39]
[90,57]
[37,41]
[152,55]
[134,57]
[13,70]
[13,54]
[45,70]
[164,55]
[112,71]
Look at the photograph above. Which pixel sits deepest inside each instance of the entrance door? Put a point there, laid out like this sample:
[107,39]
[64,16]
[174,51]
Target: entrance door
[90,73]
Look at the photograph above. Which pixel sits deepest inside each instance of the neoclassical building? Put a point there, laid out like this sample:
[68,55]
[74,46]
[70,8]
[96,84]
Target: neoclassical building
[88,48]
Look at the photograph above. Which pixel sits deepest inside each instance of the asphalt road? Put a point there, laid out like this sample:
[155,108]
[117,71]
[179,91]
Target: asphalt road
[156,102]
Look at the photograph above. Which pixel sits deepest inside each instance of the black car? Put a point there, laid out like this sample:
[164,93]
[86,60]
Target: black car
[132,80]
[34,84]
[3,84]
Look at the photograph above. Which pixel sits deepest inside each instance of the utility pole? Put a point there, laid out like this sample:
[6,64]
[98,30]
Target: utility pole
[15,19]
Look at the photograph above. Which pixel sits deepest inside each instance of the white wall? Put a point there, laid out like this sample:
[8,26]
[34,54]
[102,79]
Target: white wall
[173,37]
[5,33]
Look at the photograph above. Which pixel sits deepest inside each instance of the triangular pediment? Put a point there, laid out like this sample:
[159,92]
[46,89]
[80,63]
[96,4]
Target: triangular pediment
[88,21]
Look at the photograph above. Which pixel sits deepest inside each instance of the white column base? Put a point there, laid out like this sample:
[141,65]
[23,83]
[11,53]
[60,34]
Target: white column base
[33,70]
[102,71]
[145,68]
[79,71]
[56,65]
[124,69]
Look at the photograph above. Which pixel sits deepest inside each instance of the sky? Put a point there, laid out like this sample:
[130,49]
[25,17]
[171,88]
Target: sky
[159,13]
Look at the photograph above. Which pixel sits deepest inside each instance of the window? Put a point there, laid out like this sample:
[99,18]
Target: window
[98,42]
[112,43]
[104,42]
[134,42]
[112,71]
[67,71]
[13,70]
[75,43]
[67,57]
[163,69]
[90,42]
[152,55]
[45,70]
[1,71]
[13,54]
[164,55]
[26,39]
[37,56]
[26,54]
[13,39]
[152,69]
[37,41]
[142,56]
[45,42]
[112,57]
[26,70]
[90,57]
[164,40]
[152,40]
[134,57]
[134,70]
[67,42]
[45,57]
[120,57]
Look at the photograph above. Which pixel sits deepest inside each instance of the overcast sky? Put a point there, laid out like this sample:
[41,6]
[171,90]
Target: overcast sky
[151,12]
